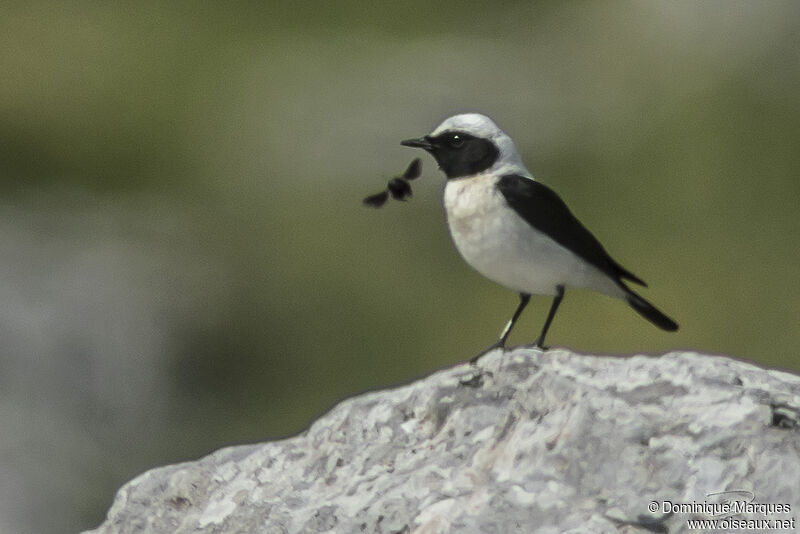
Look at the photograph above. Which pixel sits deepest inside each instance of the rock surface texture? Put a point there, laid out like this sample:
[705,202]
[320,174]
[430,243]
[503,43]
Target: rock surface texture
[527,441]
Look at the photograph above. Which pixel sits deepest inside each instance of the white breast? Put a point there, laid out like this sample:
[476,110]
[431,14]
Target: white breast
[503,247]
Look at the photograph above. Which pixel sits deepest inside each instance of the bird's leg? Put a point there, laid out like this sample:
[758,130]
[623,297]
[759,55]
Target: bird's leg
[501,343]
[556,301]
[523,301]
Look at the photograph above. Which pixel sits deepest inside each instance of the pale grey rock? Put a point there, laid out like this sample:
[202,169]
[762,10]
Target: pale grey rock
[528,441]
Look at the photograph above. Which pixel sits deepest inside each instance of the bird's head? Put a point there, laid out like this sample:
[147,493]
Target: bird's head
[469,144]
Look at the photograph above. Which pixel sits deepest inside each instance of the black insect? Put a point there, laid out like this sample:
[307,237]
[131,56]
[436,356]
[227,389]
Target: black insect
[398,187]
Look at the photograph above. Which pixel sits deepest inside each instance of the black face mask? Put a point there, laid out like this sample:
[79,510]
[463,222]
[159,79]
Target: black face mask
[458,153]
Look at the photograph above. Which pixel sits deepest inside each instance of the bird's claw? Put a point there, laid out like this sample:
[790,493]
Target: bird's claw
[487,350]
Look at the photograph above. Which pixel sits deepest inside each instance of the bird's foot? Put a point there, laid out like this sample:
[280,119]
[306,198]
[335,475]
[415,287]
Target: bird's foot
[539,345]
[487,350]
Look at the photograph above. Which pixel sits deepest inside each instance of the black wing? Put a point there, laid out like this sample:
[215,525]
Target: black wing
[414,170]
[377,200]
[543,209]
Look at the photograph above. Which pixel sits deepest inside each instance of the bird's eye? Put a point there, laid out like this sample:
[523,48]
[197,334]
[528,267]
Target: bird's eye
[455,141]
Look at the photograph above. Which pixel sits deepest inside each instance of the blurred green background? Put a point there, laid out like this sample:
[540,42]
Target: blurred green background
[187,264]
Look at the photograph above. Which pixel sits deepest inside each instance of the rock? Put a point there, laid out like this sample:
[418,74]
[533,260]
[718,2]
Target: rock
[528,441]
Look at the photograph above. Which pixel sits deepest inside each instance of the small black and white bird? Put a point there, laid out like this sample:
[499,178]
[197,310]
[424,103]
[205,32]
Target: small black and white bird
[515,230]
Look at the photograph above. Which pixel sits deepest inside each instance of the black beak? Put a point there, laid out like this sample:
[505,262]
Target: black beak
[422,142]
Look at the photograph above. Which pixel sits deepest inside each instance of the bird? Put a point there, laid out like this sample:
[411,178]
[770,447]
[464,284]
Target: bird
[515,230]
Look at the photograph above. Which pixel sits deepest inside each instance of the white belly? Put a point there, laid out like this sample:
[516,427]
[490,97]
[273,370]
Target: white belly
[503,247]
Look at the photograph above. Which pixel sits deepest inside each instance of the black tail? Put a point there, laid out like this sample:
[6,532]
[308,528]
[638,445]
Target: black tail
[649,312]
